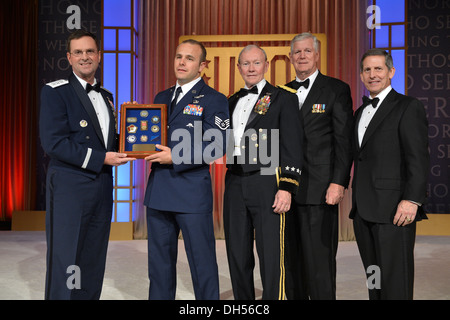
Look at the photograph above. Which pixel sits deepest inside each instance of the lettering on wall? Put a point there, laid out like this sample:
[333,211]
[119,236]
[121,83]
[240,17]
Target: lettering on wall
[429,81]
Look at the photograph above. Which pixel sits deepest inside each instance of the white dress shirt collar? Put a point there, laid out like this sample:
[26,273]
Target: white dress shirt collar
[382,95]
[260,85]
[186,87]
[84,82]
[311,78]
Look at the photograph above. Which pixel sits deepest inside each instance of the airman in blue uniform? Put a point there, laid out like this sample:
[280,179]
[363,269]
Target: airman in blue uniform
[179,191]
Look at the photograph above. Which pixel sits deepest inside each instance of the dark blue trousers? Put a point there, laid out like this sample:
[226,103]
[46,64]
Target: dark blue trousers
[200,244]
[78,221]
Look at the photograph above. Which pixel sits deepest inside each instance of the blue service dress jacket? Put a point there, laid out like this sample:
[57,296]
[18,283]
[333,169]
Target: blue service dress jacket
[196,133]
[71,134]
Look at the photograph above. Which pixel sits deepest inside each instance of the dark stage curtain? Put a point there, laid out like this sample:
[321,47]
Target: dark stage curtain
[18,105]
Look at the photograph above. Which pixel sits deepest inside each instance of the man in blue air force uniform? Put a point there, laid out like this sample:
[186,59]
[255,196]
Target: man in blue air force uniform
[77,130]
[179,191]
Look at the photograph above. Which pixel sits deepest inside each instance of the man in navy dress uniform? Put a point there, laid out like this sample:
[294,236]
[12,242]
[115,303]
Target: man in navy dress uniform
[326,115]
[179,191]
[77,130]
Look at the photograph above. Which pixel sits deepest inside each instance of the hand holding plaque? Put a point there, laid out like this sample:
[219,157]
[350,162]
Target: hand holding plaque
[142,127]
[162,157]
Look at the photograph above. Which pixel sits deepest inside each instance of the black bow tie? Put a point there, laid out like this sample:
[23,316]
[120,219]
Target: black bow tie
[243,92]
[298,84]
[95,87]
[373,102]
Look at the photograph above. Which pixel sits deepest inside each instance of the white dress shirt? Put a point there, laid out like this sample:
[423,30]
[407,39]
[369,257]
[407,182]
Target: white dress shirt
[302,92]
[369,112]
[241,114]
[101,109]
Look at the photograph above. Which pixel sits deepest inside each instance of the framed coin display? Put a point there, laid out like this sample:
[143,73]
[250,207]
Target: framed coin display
[142,127]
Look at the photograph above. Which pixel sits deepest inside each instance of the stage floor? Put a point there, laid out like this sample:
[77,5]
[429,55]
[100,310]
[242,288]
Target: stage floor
[22,269]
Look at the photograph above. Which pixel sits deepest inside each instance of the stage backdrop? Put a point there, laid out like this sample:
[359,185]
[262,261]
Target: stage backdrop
[162,23]
[429,81]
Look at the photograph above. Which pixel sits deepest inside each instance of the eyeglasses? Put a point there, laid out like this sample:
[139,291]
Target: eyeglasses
[79,53]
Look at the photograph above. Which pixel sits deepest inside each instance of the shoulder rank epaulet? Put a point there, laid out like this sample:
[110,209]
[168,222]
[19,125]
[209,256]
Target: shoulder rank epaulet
[106,90]
[287,89]
[57,83]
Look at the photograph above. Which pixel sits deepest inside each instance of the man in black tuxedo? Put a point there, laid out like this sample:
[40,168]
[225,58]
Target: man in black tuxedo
[266,139]
[312,225]
[391,165]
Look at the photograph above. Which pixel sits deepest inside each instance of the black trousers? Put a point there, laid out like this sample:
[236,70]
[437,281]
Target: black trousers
[311,248]
[249,218]
[389,250]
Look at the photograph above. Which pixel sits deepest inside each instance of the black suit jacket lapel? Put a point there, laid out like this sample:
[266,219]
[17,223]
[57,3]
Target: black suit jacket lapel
[112,120]
[384,109]
[356,134]
[232,102]
[87,104]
